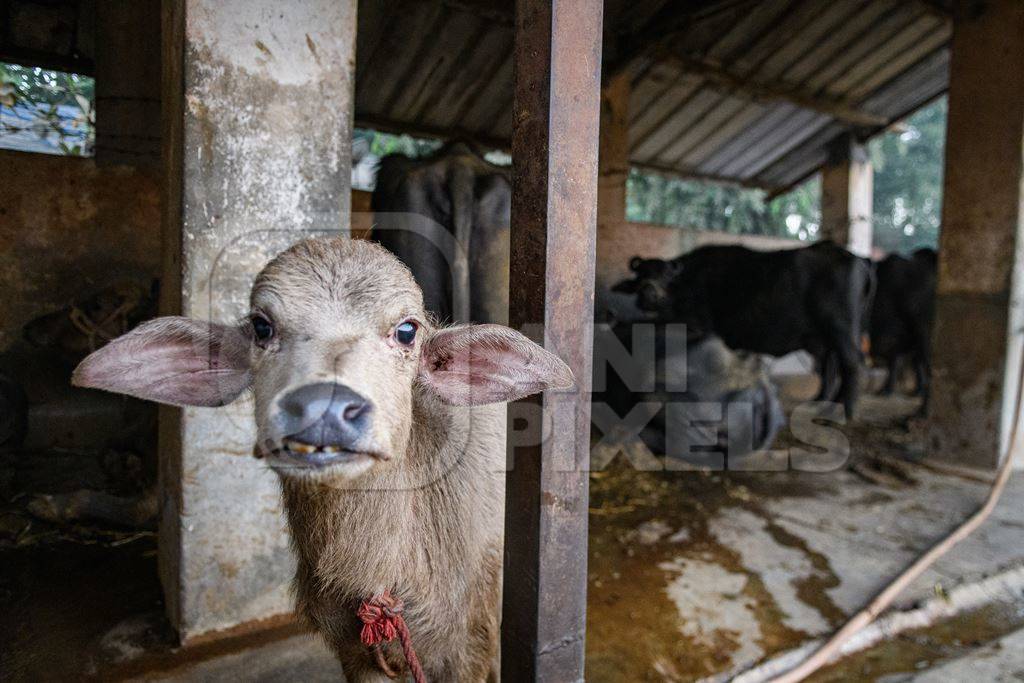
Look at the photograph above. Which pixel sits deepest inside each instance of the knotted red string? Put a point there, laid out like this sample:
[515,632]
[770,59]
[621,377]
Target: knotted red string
[382,622]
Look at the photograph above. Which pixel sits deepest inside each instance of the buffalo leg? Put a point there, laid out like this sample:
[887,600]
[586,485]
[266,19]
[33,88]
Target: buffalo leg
[892,367]
[924,371]
[828,374]
[848,357]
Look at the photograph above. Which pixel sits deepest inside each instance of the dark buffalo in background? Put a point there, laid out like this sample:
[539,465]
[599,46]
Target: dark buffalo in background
[423,208]
[745,413]
[773,302]
[902,315]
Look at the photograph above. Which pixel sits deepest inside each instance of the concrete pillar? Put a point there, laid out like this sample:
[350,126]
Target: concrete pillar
[613,170]
[128,82]
[977,335]
[257,139]
[847,183]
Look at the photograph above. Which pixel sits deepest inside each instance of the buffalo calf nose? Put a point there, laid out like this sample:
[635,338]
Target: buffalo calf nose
[324,415]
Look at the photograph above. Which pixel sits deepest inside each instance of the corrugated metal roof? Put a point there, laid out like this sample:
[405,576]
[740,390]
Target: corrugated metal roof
[751,91]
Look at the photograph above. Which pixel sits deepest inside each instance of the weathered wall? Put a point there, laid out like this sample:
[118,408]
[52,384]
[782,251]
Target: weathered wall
[68,226]
[362,216]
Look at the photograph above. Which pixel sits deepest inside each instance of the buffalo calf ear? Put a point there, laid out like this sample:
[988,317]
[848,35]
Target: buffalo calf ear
[479,364]
[635,263]
[172,360]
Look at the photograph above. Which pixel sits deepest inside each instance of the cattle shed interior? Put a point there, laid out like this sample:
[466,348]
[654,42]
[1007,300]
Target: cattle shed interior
[223,134]
[747,92]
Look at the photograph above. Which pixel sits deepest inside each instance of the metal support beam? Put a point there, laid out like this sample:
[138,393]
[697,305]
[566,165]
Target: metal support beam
[772,91]
[979,309]
[847,186]
[554,195]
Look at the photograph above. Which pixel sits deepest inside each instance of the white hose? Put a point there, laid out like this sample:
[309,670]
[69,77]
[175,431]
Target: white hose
[825,653]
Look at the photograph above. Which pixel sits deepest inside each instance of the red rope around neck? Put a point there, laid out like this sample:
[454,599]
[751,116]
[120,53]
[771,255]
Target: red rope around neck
[382,621]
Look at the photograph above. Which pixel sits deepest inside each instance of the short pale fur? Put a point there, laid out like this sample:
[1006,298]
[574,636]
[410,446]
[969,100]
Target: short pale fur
[423,516]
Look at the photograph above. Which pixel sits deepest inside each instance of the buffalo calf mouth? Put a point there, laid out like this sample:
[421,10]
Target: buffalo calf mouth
[316,456]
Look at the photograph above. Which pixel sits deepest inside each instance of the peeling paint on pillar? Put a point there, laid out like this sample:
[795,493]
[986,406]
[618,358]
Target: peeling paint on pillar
[265,124]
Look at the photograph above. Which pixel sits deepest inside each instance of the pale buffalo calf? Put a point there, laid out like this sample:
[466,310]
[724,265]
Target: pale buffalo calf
[388,435]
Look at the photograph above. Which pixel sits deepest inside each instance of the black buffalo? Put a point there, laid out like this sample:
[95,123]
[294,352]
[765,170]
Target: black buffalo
[902,316]
[690,399]
[813,298]
[424,207]
[446,217]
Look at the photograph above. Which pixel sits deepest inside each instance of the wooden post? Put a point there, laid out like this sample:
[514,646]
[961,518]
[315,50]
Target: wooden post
[847,183]
[977,342]
[257,137]
[128,83]
[554,194]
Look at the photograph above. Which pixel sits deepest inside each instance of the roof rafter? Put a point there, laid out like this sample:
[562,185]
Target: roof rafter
[386,125]
[936,8]
[840,110]
[686,173]
[673,19]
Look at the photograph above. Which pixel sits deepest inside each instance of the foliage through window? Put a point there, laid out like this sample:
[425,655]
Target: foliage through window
[654,198]
[46,111]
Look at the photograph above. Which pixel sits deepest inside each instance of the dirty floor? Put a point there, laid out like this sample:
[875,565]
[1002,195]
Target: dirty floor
[691,574]
[695,573]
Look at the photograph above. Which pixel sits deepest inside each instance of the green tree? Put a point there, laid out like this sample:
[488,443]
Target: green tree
[654,198]
[908,166]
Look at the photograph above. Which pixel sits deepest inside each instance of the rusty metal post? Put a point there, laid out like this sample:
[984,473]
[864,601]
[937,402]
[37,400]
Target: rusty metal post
[556,109]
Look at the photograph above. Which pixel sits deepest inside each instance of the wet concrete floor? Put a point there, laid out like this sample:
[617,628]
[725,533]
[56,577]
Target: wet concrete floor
[691,574]
[698,573]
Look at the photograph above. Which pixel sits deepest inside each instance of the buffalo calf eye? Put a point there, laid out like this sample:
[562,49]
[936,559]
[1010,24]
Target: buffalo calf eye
[405,333]
[261,328]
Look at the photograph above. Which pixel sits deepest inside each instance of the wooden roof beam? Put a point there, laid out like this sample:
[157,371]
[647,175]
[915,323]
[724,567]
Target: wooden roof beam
[842,111]
[671,21]
[396,127]
[686,173]
[494,11]
[936,8]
